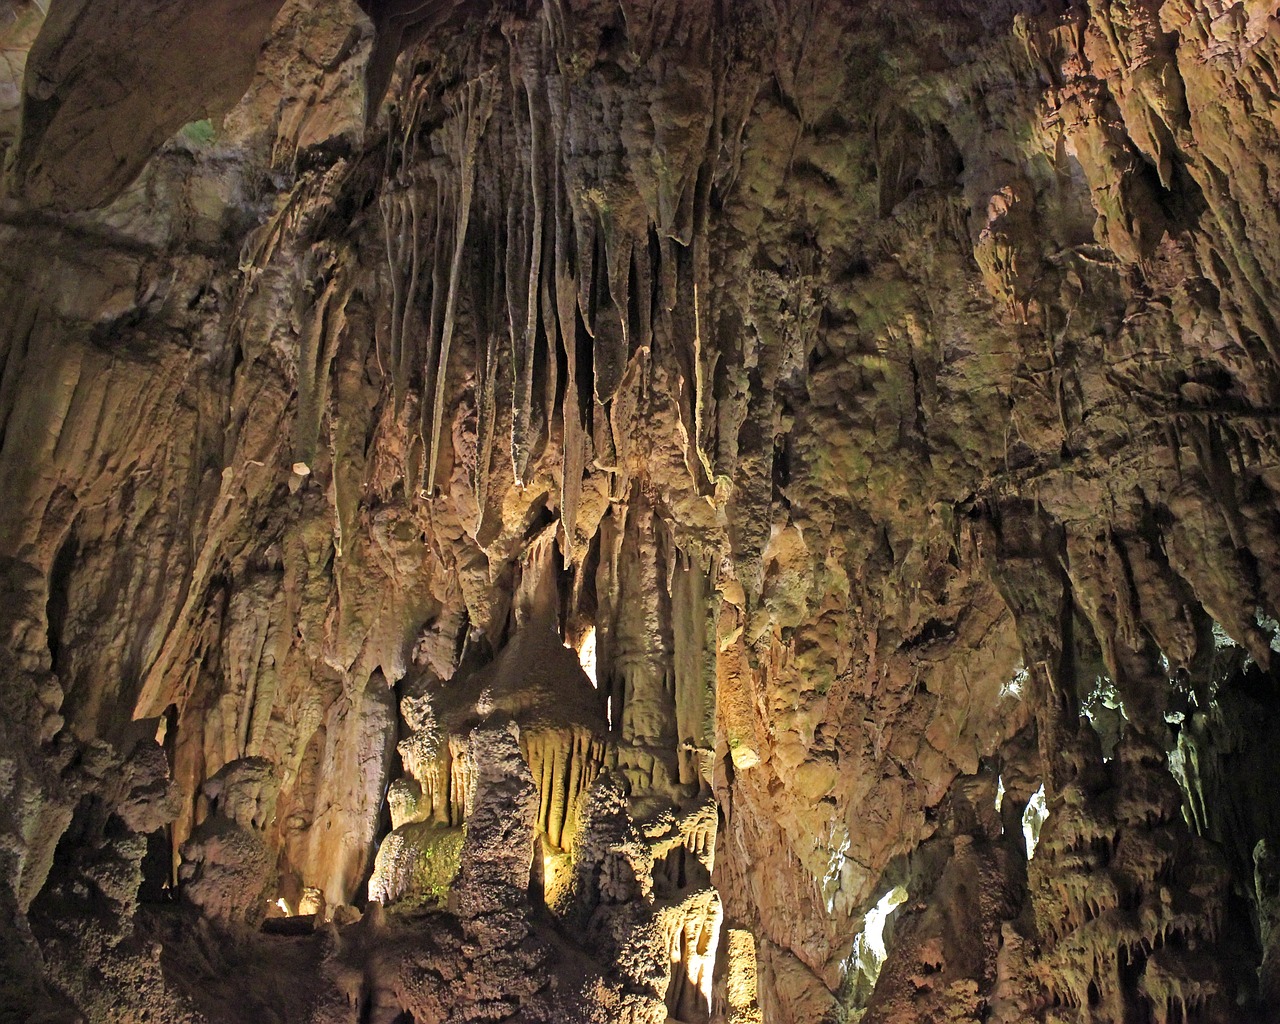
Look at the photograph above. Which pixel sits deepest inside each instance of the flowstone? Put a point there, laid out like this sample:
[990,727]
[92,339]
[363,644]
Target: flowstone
[552,510]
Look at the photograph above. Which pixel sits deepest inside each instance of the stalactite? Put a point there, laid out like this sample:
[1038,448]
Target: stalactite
[612,323]
[469,121]
[551,351]
[704,352]
[400,209]
[565,762]
[439,297]
[460,781]
[678,196]
[665,279]
[587,246]
[325,324]
[403,230]
[517,288]
[486,303]
[522,396]
[574,437]
[394,241]
[486,419]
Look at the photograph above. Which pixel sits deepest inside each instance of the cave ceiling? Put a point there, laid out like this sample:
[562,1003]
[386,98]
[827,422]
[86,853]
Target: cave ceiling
[737,511]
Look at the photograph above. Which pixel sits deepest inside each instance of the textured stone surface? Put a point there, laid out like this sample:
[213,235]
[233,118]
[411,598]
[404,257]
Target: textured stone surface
[690,457]
[106,84]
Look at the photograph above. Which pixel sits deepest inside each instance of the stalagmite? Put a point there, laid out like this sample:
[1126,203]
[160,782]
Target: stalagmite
[658,511]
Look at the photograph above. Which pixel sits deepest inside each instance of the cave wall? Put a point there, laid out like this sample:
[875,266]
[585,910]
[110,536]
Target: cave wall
[886,390]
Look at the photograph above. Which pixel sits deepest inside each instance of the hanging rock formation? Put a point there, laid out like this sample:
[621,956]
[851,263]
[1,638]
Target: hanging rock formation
[648,511]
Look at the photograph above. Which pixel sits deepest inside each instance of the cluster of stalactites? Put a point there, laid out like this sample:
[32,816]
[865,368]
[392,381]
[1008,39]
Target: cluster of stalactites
[564,762]
[510,225]
[1125,900]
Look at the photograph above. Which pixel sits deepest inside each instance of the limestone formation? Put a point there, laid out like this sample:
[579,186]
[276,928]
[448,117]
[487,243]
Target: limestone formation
[754,512]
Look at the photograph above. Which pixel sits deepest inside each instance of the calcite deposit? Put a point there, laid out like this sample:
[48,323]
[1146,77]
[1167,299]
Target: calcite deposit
[656,511]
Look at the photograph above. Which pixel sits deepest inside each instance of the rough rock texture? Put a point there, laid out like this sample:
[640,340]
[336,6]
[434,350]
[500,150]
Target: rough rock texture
[559,509]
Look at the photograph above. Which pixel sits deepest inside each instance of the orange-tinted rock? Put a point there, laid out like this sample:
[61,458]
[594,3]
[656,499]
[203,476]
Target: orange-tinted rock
[626,486]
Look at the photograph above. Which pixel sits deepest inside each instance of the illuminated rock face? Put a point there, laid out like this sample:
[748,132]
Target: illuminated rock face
[635,512]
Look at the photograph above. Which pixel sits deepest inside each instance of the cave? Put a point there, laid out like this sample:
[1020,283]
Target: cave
[655,511]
